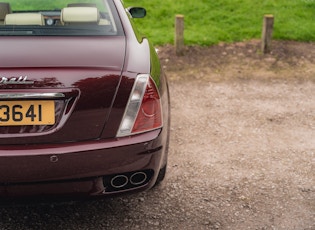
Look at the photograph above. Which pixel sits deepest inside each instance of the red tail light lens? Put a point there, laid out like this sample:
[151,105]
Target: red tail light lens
[143,112]
[149,115]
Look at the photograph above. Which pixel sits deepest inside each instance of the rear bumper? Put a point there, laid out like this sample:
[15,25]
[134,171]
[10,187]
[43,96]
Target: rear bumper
[84,169]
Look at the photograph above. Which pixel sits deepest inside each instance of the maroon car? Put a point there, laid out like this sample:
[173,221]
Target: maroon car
[84,103]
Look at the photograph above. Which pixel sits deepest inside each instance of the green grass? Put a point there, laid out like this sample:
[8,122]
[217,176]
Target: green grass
[44,4]
[209,22]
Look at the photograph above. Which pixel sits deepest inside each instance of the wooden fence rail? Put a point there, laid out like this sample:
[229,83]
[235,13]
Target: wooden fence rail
[267,31]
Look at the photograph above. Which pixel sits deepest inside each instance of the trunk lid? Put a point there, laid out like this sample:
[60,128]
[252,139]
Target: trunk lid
[79,76]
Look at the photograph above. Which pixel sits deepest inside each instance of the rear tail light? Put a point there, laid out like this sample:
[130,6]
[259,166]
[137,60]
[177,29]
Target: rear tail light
[143,112]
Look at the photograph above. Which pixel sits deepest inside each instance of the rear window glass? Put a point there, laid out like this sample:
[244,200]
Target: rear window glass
[59,18]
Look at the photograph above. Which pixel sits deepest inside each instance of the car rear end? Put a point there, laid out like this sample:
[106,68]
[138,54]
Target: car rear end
[84,107]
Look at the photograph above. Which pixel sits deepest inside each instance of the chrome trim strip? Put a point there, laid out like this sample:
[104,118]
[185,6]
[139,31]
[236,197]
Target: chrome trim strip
[30,95]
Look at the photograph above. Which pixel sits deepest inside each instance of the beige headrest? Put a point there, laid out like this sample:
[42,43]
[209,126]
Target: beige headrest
[24,19]
[4,10]
[78,15]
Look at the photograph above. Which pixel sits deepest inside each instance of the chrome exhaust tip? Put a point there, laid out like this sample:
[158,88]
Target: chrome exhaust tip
[138,178]
[119,181]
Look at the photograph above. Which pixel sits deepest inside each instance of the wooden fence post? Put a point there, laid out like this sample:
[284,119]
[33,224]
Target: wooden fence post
[179,34]
[267,33]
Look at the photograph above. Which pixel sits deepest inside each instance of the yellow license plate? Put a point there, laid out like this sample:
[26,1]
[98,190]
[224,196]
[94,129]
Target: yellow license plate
[14,113]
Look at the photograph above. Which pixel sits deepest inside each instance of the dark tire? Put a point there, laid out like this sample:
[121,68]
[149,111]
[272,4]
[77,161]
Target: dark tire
[161,176]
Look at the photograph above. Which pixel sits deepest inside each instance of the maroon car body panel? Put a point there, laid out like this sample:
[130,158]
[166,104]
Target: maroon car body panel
[83,52]
[53,161]
[91,67]
[80,155]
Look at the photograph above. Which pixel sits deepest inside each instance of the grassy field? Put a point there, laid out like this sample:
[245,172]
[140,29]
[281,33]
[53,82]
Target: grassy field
[209,22]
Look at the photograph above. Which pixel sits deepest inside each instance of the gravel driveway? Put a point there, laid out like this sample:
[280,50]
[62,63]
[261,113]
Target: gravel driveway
[242,154]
